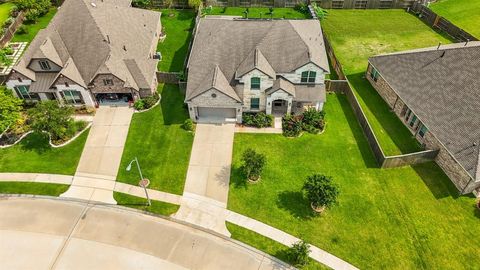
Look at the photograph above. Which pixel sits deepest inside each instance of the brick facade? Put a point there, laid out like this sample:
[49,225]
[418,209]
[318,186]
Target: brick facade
[456,173]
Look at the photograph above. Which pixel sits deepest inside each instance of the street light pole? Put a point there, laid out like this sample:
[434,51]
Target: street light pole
[129,167]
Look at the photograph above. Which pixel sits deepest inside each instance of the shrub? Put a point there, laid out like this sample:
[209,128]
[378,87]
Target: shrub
[320,191]
[313,120]
[32,15]
[139,105]
[298,253]
[8,50]
[195,4]
[14,11]
[253,164]
[23,29]
[321,13]
[292,125]
[10,108]
[302,7]
[56,120]
[151,100]
[188,125]
[141,3]
[259,120]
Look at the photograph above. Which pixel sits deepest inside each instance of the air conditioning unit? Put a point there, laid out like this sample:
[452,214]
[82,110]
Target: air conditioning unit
[157,55]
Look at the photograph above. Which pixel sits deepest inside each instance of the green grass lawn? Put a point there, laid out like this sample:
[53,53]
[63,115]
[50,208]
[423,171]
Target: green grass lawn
[157,207]
[32,188]
[401,218]
[257,12]
[5,11]
[33,28]
[463,13]
[34,155]
[178,25]
[161,145]
[357,35]
[266,245]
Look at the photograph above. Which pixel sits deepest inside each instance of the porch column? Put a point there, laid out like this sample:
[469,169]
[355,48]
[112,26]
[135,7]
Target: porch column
[269,105]
[289,105]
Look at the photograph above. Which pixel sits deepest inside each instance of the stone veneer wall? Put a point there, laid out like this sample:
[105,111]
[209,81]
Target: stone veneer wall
[444,159]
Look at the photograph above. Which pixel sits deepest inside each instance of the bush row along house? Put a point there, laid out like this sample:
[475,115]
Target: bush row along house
[273,66]
[92,52]
[436,93]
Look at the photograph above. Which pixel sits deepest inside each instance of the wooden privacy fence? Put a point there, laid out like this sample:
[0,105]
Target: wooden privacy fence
[168,77]
[438,22]
[8,35]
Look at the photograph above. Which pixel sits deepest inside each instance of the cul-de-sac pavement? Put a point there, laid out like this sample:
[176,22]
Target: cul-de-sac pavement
[282,134]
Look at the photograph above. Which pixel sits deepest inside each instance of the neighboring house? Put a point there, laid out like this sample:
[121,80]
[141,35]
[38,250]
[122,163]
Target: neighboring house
[93,51]
[236,66]
[436,93]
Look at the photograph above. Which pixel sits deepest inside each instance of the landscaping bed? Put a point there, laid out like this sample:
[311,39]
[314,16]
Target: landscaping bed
[162,146]
[356,35]
[178,26]
[463,13]
[409,218]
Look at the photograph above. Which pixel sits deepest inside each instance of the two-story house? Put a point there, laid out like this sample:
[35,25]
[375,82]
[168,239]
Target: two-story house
[236,66]
[92,52]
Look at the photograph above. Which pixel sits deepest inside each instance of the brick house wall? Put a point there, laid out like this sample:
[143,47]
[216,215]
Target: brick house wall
[457,174]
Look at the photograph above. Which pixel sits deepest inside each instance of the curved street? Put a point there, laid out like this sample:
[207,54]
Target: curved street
[77,235]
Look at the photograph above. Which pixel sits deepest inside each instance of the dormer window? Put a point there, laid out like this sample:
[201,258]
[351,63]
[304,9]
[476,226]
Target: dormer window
[44,65]
[308,76]
[107,81]
[255,83]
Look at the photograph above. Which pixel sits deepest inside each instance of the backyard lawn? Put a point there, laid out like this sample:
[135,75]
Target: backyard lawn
[34,155]
[5,11]
[32,188]
[402,218]
[463,13]
[33,28]
[357,35]
[286,13]
[162,147]
[178,25]
[157,207]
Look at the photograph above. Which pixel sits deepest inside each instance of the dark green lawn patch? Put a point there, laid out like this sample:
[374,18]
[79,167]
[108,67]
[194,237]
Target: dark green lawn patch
[400,218]
[34,155]
[463,13]
[178,25]
[157,207]
[33,28]
[266,245]
[32,188]
[162,147]
[355,36]
[257,12]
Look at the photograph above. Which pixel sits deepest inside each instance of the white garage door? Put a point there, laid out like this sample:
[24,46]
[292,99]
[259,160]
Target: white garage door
[216,114]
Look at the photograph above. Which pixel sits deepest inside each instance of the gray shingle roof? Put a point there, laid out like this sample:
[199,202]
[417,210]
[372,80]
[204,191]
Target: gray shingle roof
[231,45]
[282,84]
[442,87]
[99,38]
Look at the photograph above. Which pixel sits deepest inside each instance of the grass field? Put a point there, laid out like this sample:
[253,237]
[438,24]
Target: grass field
[34,155]
[278,13]
[32,188]
[402,218]
[5,11]
[357,35]
[157,207]
[33,28]
[463,13]
[162,147]
[178,25]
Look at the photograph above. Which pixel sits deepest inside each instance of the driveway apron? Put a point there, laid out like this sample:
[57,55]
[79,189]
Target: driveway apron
[206,188]
[97,170]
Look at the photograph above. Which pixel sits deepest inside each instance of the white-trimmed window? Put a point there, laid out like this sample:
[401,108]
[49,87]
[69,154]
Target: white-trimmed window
[423,130]
[254,103]
[255,83]
[72,97]
[308,77]
[23,92]
[374,74]
[44,65]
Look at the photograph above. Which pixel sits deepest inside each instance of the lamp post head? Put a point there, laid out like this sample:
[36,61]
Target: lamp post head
[129,167]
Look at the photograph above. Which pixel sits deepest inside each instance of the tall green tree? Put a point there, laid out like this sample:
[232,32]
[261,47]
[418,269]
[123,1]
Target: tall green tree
[10,108]
[50,117]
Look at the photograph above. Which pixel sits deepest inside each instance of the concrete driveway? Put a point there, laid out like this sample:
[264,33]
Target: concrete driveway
[57,234]
[208,176]
[98,166]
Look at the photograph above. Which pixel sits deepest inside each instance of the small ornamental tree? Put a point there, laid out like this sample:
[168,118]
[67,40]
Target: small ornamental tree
[56,120]
[253,164]
[10,108]
[195,4]
[320,191]
[298,254]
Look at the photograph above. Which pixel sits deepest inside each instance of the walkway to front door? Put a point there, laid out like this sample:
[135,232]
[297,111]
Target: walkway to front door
[205,195]
[97,170]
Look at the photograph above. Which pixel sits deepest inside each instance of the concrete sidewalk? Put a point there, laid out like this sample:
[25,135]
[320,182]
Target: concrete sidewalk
[206,188]
[97,170]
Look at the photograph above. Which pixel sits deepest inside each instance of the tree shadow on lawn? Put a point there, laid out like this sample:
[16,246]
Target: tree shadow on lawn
[362,143]
[237,178]
[37,142]
[393,126]
[296,204]
[172,105]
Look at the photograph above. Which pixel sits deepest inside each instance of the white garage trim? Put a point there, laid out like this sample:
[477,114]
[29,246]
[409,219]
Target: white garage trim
[216,115]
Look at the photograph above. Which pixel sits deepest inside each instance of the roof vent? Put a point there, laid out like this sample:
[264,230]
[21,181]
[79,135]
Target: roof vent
[93,4]
[124,48]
